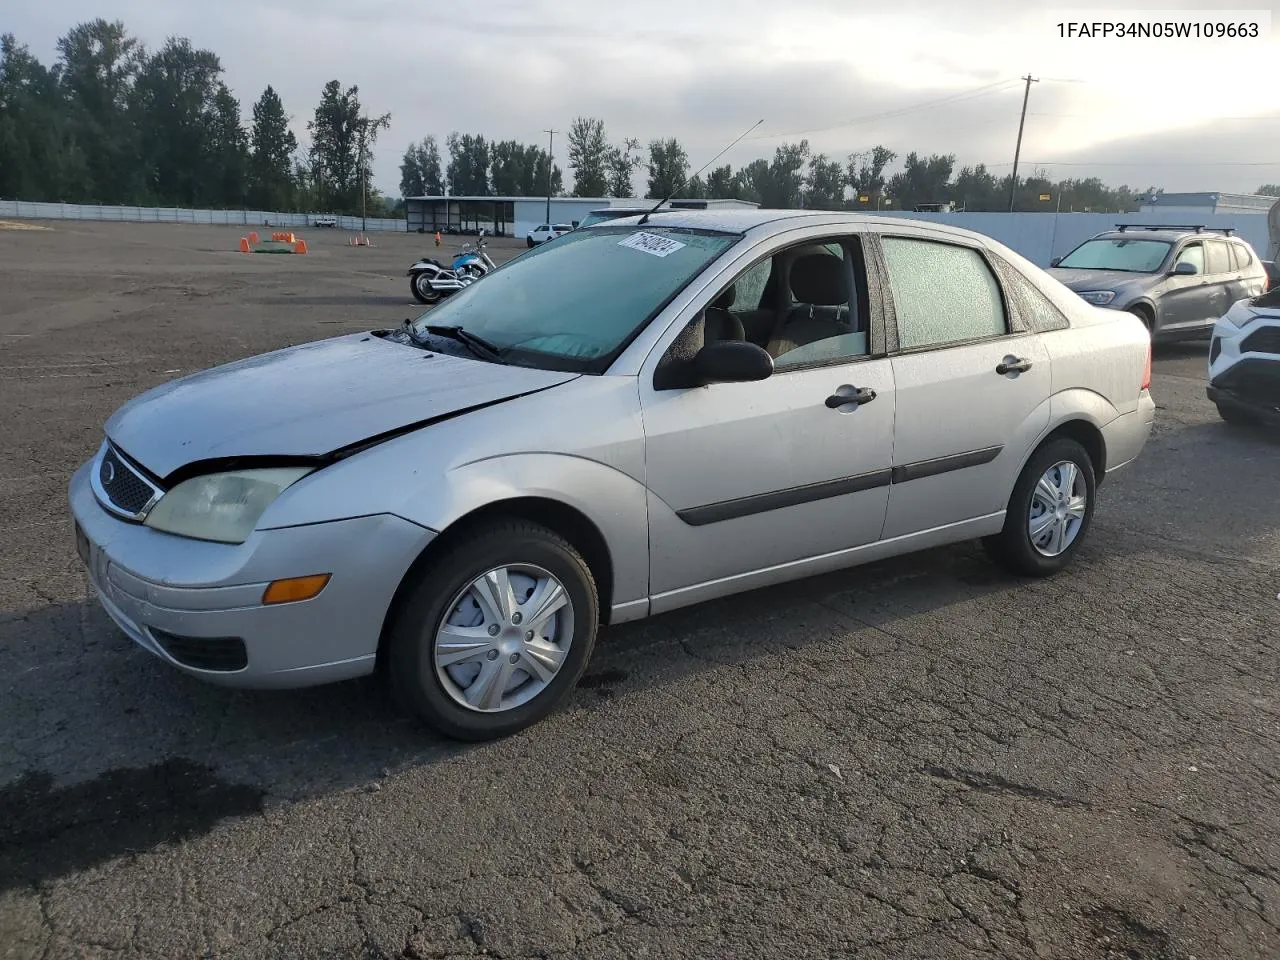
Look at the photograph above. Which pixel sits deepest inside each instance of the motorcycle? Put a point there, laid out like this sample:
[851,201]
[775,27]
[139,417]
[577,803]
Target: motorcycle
[430,281]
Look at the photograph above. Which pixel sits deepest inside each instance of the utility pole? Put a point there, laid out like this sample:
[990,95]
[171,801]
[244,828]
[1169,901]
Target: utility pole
[1013,180]
[551,140]
[364,193]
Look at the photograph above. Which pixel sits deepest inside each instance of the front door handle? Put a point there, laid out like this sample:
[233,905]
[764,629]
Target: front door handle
[860,396]
[1012,365]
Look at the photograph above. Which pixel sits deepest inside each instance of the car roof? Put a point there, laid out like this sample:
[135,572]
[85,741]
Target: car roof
[1172,235]
[741,220]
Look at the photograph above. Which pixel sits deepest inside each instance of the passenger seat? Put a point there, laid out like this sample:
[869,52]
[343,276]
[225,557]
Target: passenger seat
[820,287]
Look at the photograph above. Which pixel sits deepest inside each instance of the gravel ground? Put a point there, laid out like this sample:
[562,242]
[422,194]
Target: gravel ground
[918,758]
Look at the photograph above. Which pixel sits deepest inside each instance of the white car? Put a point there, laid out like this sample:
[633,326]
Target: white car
[326,221]
[548,231]
[1244,361]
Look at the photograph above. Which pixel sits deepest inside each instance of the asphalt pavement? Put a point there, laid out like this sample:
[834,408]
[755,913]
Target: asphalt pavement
[917,758]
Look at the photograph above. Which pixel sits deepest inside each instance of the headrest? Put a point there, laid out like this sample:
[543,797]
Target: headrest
[726,299]
[819,279]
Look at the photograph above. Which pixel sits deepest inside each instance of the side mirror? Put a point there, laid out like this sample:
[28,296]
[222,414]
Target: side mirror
[732,361]
[1184,269]
[1055,261]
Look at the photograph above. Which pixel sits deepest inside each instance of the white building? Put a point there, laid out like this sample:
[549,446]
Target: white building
[517,216]
[1200,204]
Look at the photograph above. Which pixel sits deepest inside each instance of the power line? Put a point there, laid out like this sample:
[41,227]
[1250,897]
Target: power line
[981,91]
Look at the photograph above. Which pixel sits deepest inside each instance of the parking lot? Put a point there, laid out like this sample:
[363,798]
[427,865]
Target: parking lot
[917,758]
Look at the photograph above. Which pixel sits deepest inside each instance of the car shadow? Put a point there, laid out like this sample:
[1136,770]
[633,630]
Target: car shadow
[113,753]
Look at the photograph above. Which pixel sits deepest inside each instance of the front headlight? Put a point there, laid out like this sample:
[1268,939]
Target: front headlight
[1099,298]
[221,506]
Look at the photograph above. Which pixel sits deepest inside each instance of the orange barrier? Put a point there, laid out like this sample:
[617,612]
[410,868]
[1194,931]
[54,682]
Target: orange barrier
[300,247]
[284,237]
[244,245]
[253,238]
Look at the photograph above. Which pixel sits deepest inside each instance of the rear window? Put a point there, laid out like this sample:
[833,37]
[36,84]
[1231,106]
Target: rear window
[1244,258]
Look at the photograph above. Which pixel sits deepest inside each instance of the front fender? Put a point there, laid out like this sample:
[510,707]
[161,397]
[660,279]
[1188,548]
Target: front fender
[613,501]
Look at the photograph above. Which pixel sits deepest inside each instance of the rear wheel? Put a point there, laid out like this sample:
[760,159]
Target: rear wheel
[1049,511]
[496,632]
[420,284]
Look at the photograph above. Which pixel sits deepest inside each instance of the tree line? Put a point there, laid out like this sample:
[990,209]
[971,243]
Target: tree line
[795,176]
[114,123]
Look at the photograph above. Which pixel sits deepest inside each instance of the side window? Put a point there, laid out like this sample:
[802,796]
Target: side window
[1192,253]
[942,293]
[1037,310]
[1244,259]
[825,317]
[1217,259]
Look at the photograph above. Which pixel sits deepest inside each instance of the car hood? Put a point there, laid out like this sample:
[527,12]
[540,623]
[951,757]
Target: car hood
[1096,279]
[309,401]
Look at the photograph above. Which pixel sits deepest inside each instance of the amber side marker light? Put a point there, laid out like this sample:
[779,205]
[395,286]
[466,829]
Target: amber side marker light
[295,588]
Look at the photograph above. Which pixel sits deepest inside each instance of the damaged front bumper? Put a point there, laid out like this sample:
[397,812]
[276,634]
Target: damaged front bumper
[1251,386]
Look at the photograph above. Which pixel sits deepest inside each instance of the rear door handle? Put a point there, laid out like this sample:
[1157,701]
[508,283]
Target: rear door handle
[1012,365]
[860,396]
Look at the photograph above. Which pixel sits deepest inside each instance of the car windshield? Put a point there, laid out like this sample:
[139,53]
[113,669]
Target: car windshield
[574,304]
[593,218]
[1130,256]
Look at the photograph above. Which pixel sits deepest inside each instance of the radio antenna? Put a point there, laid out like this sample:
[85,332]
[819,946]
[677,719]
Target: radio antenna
[684,183]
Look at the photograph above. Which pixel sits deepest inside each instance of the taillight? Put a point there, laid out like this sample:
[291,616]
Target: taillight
[1146,373]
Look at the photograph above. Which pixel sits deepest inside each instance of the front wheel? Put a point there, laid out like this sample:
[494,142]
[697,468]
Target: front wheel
[1049,511]
[495,633]
[420,284]
[1234,416]
[529,241]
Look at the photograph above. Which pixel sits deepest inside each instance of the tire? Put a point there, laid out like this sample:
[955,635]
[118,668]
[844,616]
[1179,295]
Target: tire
[529,241]
[1234,416]
[422,290]
[1013,548]
[1145,316]
[443,591]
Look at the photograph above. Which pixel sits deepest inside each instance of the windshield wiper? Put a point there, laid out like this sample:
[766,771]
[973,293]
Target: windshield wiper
[478,345]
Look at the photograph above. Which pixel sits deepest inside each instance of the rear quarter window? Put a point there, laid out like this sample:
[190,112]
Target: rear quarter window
[1037,312]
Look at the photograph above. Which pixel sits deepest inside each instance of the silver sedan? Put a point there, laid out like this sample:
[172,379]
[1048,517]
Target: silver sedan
[643,415]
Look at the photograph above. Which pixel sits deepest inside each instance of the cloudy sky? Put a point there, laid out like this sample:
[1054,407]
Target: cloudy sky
[924,76]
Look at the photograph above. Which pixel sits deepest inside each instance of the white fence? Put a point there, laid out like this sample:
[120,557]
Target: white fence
[1042,236]
[1037,236]
[19,209]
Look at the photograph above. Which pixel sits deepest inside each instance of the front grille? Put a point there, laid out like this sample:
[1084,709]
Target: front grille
[225,654]
[1266,340]
[122,484]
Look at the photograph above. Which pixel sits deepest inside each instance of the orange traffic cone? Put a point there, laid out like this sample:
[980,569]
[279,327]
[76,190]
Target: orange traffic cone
[253,238]
[300,247]
[244,245]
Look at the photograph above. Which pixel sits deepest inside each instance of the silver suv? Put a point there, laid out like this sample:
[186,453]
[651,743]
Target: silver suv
[1178,279]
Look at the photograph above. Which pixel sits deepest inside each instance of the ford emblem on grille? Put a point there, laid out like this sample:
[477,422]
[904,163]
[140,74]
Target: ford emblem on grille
[121,487]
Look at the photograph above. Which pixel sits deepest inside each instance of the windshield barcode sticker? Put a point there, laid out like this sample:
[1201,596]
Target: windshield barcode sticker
[651,243]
